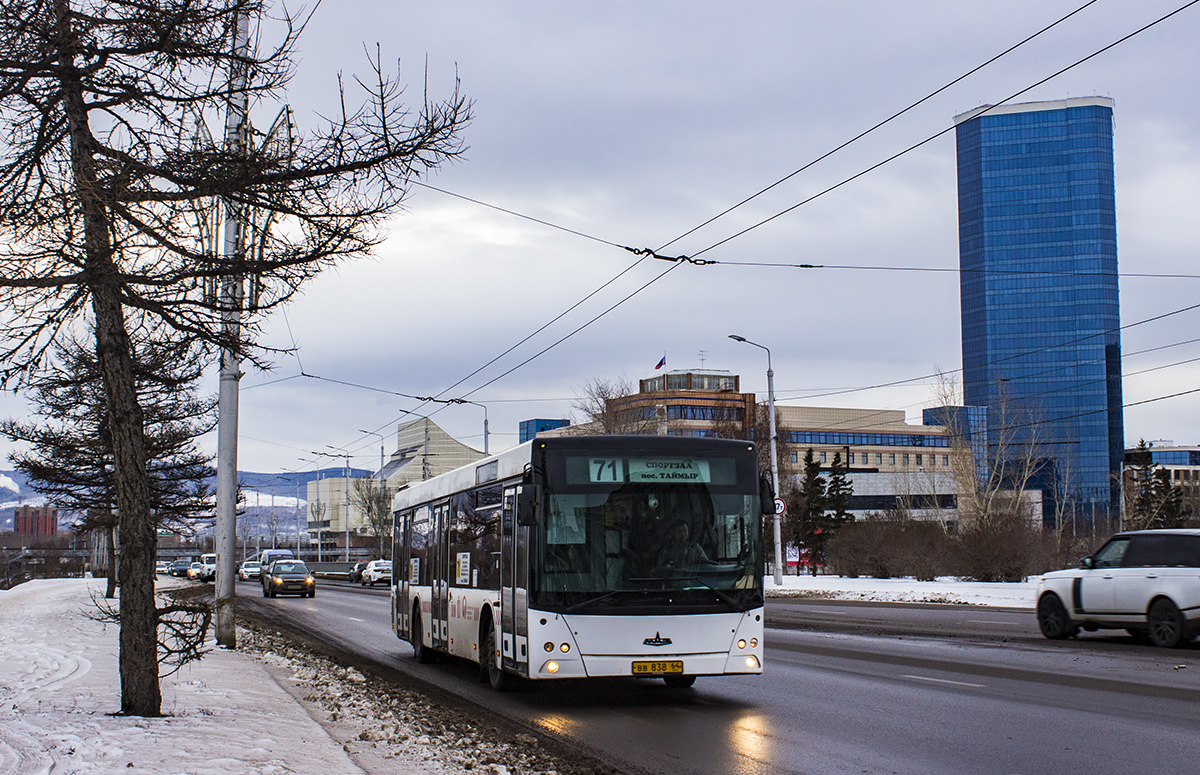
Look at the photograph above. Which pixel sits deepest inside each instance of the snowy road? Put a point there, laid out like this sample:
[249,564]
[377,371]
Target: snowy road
[840,703]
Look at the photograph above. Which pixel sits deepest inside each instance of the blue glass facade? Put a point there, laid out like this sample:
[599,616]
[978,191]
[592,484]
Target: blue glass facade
[1038,260]
[531,428]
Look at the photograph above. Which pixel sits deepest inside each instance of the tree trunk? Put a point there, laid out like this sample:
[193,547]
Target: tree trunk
[110,591]
[138,659]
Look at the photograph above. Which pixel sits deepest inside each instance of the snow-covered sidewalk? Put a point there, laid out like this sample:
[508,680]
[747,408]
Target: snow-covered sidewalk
[59,684]
[268,708]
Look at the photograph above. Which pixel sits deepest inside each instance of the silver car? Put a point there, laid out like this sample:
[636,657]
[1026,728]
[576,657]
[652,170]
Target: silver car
[1146,582]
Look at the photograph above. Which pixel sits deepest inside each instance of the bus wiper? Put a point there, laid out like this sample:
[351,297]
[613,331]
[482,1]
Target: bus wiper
[593,600]
[724,596]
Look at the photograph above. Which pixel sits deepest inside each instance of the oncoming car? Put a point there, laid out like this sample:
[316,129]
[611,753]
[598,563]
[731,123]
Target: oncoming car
[376,571]
[251,569]
[1145,581]
[288,577]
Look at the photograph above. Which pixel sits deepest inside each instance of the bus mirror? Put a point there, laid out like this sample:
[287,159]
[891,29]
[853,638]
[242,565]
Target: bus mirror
[766,495]
[529,499]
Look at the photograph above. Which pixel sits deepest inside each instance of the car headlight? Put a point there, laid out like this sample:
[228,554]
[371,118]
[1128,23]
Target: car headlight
[310,580]
[278,580]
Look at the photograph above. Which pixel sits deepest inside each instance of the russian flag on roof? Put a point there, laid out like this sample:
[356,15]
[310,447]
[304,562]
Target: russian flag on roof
[661,363]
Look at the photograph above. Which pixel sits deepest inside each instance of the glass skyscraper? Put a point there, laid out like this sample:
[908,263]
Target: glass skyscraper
[1040,319]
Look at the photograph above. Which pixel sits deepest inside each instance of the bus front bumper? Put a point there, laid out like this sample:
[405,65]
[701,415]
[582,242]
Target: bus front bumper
[646,665]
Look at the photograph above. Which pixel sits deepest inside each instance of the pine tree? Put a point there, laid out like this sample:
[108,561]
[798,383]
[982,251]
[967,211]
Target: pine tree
[70,456]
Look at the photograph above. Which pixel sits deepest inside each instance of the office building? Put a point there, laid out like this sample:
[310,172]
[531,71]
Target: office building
[531,428]
[893,466]
[1040,319]
[36,521]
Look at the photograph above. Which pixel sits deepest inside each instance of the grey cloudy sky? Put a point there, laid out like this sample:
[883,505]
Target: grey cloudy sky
[632,123]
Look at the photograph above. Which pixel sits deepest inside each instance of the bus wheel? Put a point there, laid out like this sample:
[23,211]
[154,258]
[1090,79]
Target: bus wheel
[679,681]
[420,653]
[500,680]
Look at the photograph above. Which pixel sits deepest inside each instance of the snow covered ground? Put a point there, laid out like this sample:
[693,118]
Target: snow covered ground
[271,708]
[943,590]
[266,709]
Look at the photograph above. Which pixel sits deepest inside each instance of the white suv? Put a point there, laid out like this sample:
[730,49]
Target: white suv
[1146,581]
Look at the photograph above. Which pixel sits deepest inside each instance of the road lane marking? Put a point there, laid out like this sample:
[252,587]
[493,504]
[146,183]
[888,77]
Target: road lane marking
[355,619]
[944,681]
[985,621]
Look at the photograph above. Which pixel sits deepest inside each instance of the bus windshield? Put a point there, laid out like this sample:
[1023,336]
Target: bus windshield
[650,533]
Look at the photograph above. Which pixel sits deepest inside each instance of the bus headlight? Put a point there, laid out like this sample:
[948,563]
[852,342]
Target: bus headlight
[549,646]
[752,662]
[551,667]
[564,648]
[742,643]
[754,643]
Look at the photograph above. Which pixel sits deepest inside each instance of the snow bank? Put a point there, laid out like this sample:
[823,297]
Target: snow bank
[906,590]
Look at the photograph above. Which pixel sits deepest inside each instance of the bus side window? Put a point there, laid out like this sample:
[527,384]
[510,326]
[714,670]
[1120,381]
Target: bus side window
[421,528]
[486,552]
[462,539]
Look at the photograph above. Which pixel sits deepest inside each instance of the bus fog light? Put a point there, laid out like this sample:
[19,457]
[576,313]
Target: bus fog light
[752,662]
[551,667]
[564,648]
[742,643]
[549,646]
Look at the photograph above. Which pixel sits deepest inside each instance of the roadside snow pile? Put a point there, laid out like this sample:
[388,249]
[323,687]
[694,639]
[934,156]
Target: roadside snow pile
[906,590]
[380,723]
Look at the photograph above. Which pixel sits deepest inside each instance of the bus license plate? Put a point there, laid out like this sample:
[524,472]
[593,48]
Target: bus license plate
[657,668]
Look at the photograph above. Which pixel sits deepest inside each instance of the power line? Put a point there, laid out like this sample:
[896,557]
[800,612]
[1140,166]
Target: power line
[954,270]
[933,137]
[646,253]
[882,123]
[1004,359]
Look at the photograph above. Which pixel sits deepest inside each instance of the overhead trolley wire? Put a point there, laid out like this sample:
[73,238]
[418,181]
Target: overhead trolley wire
[644,253]
[1005,359]
[933,137]
[879,125]
[694,258]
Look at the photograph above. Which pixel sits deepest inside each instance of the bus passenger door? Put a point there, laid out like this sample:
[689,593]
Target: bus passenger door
[508,522]
[402,574]
[439,603]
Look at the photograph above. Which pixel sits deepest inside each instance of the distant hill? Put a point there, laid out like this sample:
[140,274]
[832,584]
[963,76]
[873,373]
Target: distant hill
[257,488]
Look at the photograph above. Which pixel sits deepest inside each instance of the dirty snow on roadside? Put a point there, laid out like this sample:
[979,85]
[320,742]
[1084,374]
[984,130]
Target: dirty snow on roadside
[379,722]
[228,713]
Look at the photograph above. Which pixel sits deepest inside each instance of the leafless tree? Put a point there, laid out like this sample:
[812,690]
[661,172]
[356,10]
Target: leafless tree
[368,496]
[101,188]
[598,405]
[997,537]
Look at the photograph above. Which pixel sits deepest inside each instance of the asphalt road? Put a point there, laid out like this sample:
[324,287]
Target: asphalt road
[848,688]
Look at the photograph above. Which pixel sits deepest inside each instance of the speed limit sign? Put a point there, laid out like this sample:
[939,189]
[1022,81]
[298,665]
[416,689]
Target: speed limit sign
[780,507]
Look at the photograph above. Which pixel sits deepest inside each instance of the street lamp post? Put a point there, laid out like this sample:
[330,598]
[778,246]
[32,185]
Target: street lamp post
[774,456]
[346,485]
[297,482]
[485,420]
[382,491]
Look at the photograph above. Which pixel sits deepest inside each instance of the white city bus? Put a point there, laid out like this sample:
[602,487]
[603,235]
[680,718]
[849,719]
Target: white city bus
[570,557]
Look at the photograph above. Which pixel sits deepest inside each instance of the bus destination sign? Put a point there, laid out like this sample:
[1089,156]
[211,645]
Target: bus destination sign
[650,470]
